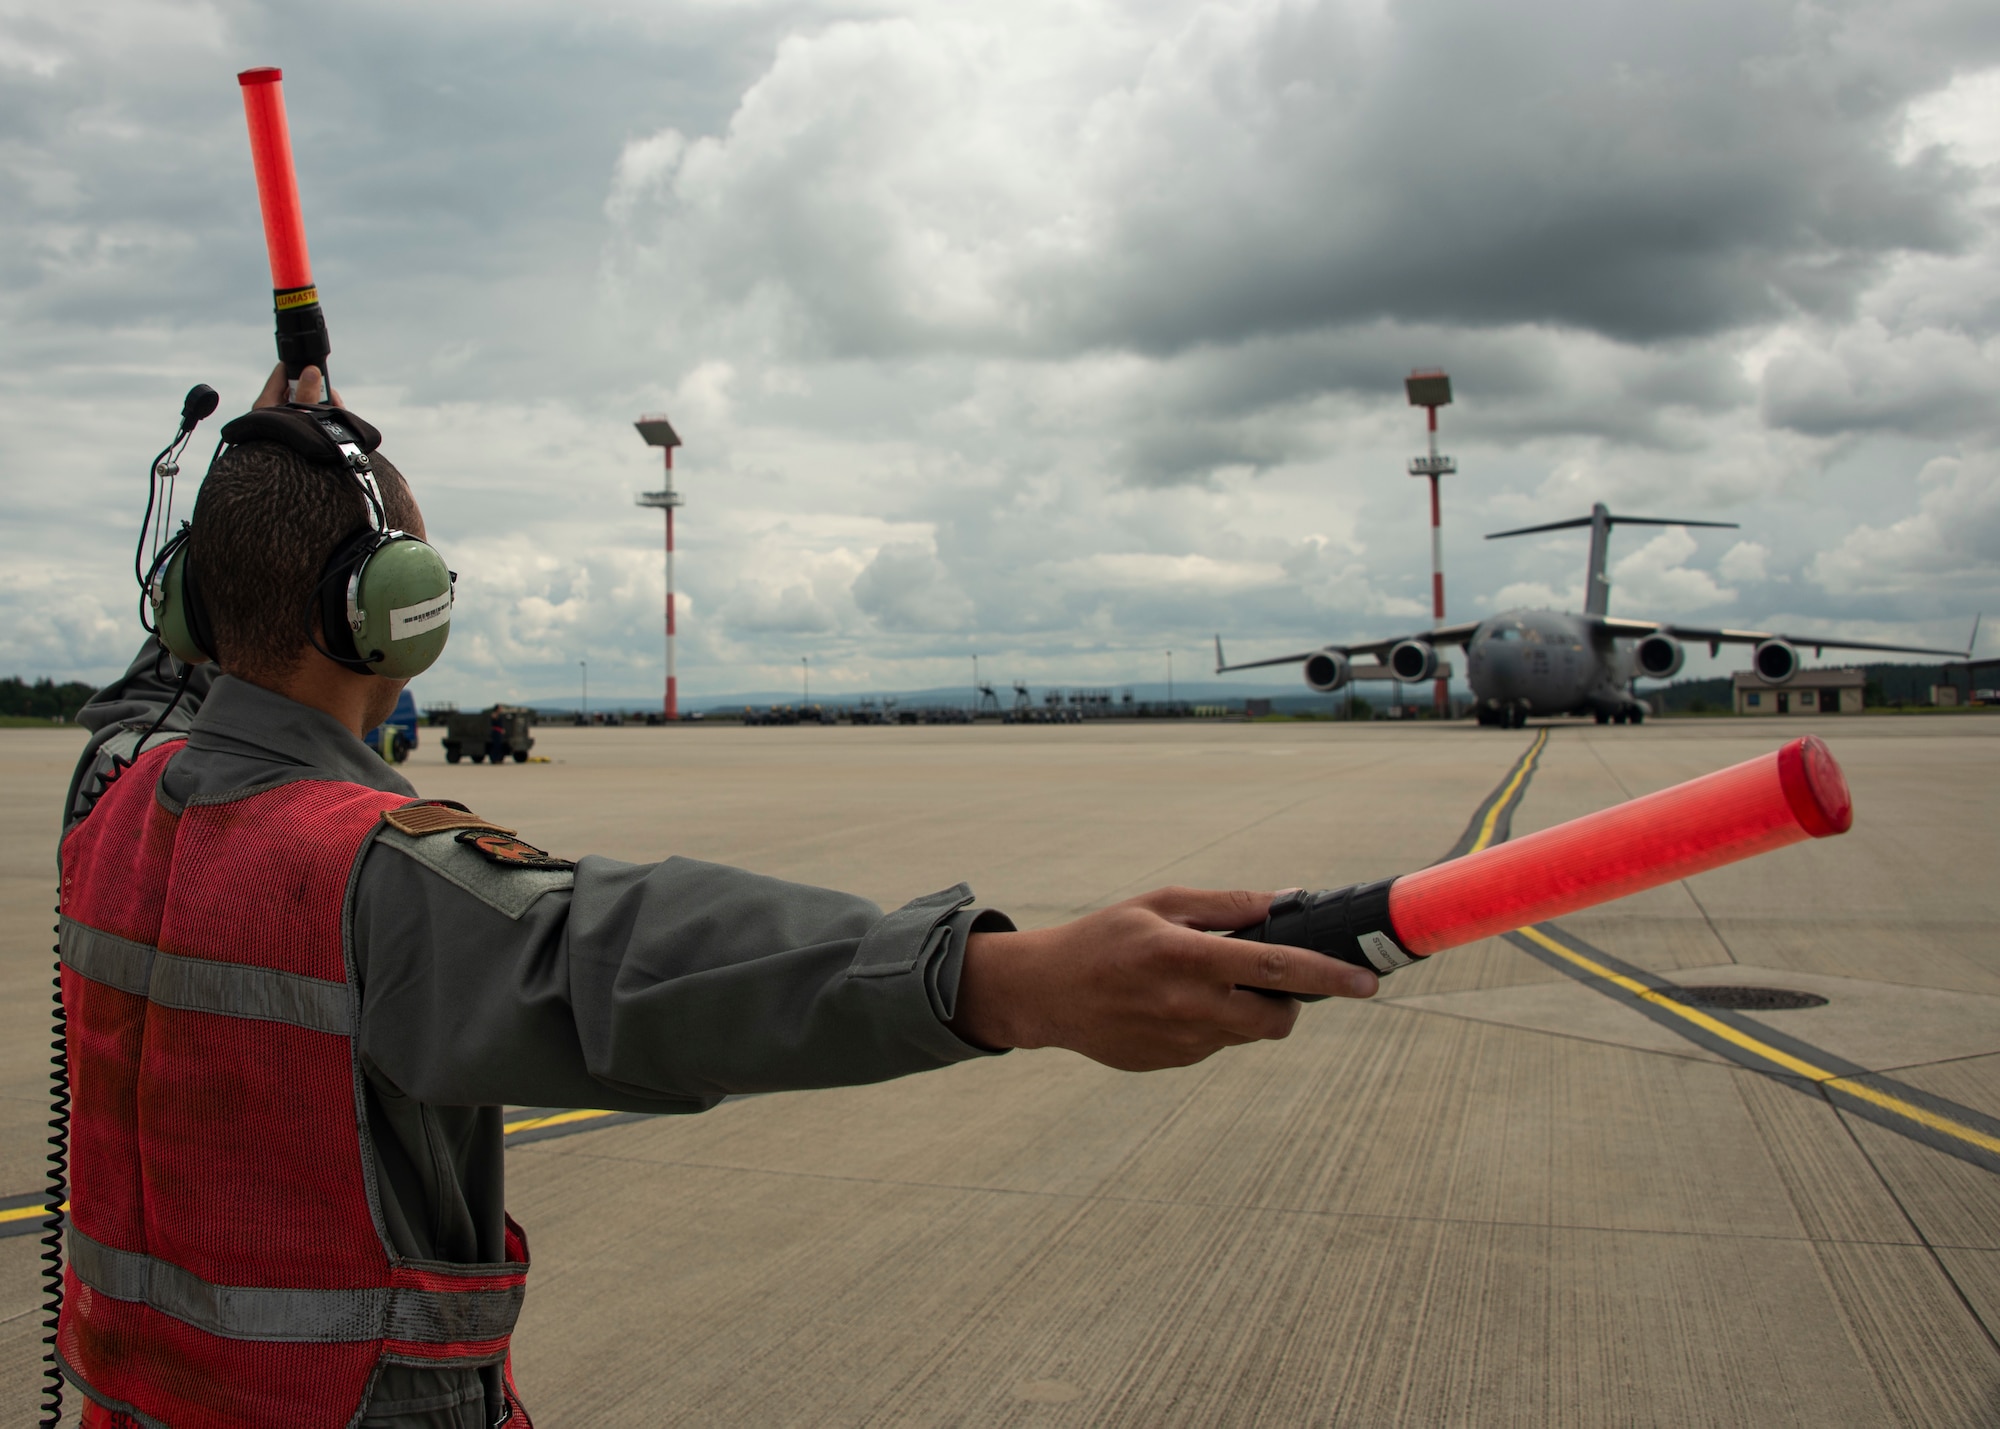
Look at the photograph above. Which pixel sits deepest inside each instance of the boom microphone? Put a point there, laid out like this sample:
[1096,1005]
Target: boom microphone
[302,337]
[1784,797]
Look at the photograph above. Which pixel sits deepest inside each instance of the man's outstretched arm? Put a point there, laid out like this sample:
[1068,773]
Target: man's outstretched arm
[668,986]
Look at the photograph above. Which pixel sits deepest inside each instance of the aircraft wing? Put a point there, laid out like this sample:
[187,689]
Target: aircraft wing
[1221,668]
[1371,649]
[1715,639]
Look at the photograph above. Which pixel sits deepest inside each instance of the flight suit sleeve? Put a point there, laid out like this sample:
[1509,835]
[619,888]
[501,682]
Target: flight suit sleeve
[641,987]
[120,713]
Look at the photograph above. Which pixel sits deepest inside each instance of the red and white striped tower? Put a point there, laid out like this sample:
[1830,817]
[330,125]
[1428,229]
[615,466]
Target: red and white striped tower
[1429,388]
[659,432]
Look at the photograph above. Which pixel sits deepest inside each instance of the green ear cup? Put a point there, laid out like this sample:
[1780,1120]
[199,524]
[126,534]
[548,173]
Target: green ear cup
[402,595]
[168,594]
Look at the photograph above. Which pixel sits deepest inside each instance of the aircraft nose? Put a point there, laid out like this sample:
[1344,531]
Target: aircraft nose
[1502,672]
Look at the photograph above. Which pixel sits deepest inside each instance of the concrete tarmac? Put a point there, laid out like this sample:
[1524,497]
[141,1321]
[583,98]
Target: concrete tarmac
[1492,1195]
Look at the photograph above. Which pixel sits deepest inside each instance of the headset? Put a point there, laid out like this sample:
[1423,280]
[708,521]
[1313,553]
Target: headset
[383,602]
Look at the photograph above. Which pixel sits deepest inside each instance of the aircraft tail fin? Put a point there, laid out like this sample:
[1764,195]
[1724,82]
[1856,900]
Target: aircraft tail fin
[1534,530]
[1597,588]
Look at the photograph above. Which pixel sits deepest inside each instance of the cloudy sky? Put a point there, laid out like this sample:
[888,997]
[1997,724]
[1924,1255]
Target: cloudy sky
[1059,333]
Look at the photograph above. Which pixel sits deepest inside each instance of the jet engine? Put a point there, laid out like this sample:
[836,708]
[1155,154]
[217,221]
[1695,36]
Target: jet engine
[1327,671]
[1413,660]
[1775,662]
[1659,657]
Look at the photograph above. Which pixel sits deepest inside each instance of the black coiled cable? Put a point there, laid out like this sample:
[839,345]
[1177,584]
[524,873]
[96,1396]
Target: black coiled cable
[52,1247]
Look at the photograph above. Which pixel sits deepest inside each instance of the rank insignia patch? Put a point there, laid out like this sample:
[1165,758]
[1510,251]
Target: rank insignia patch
[510,852]
[436,818]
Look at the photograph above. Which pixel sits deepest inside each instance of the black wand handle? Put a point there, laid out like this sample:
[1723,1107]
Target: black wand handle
[302,335]
[1351,924]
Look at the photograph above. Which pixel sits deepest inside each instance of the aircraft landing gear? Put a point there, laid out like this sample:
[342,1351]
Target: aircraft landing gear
[1638,716]
[1602,717]
[1517,717]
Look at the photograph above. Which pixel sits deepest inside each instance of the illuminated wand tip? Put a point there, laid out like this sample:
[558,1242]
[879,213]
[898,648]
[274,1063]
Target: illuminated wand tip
[301,323]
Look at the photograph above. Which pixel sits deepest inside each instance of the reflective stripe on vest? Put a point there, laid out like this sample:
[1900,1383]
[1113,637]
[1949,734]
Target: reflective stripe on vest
[226,1257]
[484,1310]
[198,985]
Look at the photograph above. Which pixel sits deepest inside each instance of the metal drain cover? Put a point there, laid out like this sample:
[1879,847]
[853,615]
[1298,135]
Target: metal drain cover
[1745,999]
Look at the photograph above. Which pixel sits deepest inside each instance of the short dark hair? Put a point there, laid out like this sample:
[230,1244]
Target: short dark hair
[265,523]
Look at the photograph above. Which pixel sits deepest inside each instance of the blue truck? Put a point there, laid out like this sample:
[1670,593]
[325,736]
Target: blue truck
[396,736]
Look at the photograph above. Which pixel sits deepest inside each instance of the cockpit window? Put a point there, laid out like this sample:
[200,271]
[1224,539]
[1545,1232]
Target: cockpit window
[1507,632]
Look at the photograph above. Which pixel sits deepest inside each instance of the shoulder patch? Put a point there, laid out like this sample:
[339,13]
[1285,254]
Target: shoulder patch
[509,889]
[416,819]
[501,847]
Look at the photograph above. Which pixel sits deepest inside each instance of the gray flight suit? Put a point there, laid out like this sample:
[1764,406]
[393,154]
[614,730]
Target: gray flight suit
[658,987]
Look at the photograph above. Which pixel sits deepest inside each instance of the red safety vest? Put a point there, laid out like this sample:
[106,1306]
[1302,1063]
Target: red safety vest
[226,1263]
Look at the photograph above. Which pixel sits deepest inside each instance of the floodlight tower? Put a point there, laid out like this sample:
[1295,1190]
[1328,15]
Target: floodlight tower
[659,432]
[1429,388]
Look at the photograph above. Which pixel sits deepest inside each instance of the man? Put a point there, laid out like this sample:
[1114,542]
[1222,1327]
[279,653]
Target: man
[287,1173]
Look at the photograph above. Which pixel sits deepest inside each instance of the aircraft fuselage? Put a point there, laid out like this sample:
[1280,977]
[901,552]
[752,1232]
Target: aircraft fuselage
[1543,662]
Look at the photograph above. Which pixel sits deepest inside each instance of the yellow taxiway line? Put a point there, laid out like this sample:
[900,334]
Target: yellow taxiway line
[1922,1116]
[561,1118]
[1512,787]
[28,1213]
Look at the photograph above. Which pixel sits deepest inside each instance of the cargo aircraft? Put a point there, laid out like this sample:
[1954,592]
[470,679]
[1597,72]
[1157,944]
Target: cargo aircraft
[1546,662]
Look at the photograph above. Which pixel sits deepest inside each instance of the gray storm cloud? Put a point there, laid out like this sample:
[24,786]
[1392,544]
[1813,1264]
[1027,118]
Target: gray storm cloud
[1639,171]
[1069,331]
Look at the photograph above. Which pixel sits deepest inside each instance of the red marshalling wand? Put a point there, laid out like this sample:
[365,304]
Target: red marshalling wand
[302,337]
[1785,797]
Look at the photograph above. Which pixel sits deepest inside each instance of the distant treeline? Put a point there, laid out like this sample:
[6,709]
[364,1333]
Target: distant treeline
[44,699]
[1884,685]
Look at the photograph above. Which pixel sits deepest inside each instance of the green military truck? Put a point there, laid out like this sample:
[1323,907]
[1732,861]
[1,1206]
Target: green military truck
[488,734]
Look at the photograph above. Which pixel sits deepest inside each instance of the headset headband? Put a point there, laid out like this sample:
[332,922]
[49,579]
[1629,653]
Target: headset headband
[324,434]
[328,436]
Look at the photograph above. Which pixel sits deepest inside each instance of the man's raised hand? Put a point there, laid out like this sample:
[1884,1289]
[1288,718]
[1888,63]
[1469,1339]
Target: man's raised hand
[311,386]
[1141,985]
